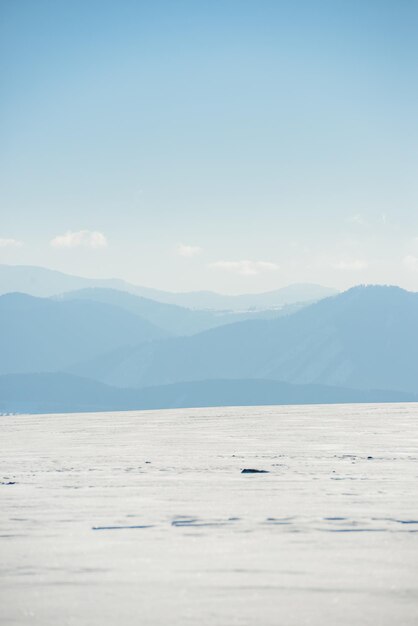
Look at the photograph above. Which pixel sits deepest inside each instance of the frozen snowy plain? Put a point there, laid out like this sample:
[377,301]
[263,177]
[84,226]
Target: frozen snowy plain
[145,518]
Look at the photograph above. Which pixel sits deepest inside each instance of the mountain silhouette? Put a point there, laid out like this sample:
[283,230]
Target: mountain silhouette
[57,393]
[364,338]
[42,335]
[42,282]
[174,319]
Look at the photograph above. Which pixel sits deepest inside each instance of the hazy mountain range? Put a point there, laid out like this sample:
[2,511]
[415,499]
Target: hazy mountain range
[46,393]
[100,348]
[38,281]
[174,319]
[365,338]
[42,335]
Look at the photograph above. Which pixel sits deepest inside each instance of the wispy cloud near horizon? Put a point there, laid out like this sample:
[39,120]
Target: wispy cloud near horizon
[10,243]
[245,267]
[351,265]
[411,262]
[188,251]
[82,238]
[356,219]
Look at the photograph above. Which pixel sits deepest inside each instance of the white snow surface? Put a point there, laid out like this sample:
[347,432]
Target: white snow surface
[144,518]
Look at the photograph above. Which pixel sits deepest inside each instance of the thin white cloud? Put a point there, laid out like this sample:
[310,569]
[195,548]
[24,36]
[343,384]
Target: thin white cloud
[356,219]
[351,265]
[81,238]
[10,243]
[411,262]
[188,251]
[245,268]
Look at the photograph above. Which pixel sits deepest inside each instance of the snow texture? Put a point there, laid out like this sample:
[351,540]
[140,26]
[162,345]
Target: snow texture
[145,517]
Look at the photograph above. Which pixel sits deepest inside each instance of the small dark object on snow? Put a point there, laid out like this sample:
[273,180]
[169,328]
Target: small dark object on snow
[254,471]
[369,457]
[10,482]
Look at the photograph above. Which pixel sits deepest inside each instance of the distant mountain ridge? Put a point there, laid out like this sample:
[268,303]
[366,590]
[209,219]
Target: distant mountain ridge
[42,282]
[93,325]
[39,334]
[62,393]
[291,294]
[173,319]
[365,338]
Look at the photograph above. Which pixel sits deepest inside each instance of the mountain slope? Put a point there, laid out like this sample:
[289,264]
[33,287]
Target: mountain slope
[365,338]
[56,393]
[38,281]
[174,319]
[43,282]
[297,293]
[41,335]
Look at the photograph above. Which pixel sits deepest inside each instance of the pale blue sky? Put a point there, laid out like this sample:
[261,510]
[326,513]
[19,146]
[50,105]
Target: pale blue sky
[230,145]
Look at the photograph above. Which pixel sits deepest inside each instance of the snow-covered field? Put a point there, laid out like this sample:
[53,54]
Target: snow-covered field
[144,518]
